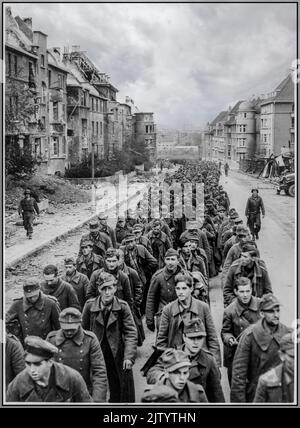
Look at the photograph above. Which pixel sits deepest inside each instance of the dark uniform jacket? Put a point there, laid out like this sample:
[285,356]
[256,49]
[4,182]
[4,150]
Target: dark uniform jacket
[163,243]
[203,371]
[236,319]
[80,283]
[273,388]
[35,320]
[83,353]
[64,293]
[257,352]
[254,206]
[164,228]
[110,233]
[29,205]
[144,259]
[135,285]
[101,243]
[170,334]
[121,232]
[194,263]
[259,276]
[121,335]
[121,330]
[161,292]
[143,240]
[14,358]
[88,266]
[68,387]
[233,254]
[123,286]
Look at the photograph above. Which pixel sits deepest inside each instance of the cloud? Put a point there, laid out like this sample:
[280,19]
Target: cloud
[184,62]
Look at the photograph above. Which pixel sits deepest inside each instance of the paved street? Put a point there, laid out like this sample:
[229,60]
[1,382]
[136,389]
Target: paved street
[276,245]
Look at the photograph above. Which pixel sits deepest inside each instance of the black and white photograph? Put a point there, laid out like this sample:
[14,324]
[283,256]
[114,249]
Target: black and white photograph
[150,206]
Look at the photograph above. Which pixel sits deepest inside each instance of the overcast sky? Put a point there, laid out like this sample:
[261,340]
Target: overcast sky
[184,62]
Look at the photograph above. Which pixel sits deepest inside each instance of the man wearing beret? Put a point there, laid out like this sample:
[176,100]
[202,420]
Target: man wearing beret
[112,322]
[277,384]
[180,312]
[27,208]
[242,311]
[254,207]
[45,381]
[101,242]
[35,313]
[112,266]
[159,241]
[162,288]
[173,370]
[104,228]
[80,349]
[257,351]
[250,266]
[53,285]
[88,262]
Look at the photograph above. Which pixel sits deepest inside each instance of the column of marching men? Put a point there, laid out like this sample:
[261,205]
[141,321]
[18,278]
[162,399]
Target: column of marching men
[74,338]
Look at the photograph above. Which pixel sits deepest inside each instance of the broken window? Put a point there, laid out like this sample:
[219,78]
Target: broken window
[55,146]
[43,60]
[49,78]
[55,111]
[84,127]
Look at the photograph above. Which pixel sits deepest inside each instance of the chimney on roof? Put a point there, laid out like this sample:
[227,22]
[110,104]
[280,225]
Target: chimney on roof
[229,109]
[28,22]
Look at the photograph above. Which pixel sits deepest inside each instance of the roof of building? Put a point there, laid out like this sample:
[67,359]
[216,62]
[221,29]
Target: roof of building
[284,92]
[14,36]
[220,118]
[246,106]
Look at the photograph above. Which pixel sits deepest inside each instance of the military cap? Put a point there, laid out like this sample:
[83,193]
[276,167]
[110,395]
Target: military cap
[191,225]
[31,286]
[129,236]
[249,246]
[287,343]
[102,216]
[238,220]
[70,318]
[41,348]
[254,189]
[121,218]
[86,243]
[156,223]
[221,208]
[105,279]
[191,237]
[232,210]
[209,202]
[171,252]
[70,261]
[268,302]
[111,252]
[27,191]
[174,359]
[138,227]
[159,394]
[242,230]
[94,224]
[233,215]
[194,328]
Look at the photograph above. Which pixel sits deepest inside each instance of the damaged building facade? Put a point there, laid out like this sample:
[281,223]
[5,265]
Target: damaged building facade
[60,105]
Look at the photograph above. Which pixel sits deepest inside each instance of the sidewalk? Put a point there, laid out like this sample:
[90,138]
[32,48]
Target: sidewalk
[55,226]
